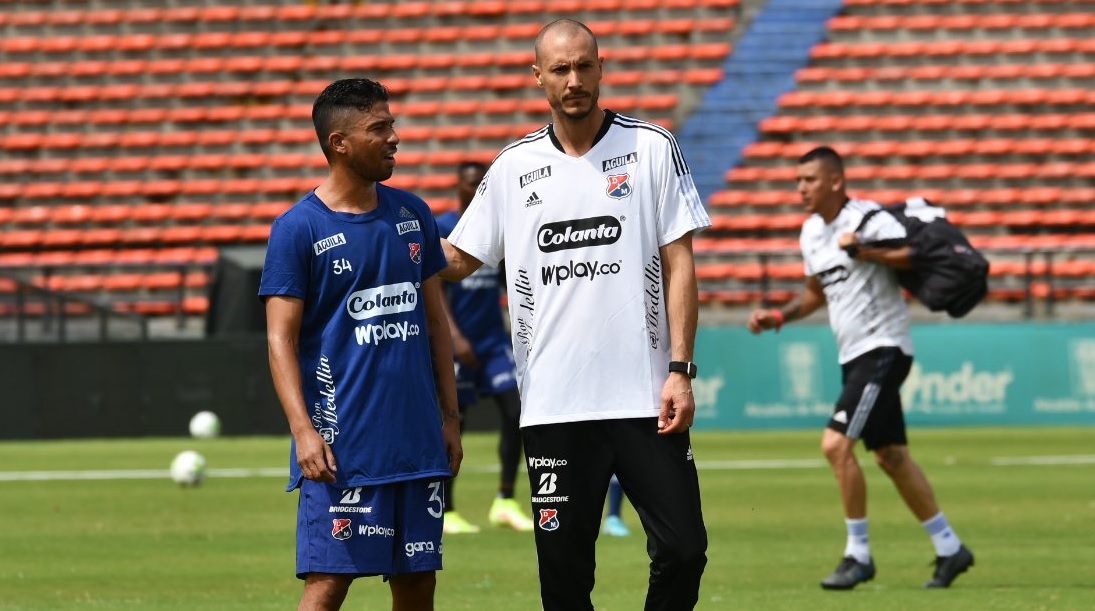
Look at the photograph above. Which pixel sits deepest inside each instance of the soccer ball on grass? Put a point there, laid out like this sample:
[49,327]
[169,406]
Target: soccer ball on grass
[188,468]
[205,425]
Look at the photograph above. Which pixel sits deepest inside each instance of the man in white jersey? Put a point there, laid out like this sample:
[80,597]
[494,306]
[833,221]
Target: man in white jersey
[869,317]
[594,215]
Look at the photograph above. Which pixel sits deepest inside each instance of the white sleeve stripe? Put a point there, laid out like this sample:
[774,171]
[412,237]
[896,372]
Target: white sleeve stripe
[693,203]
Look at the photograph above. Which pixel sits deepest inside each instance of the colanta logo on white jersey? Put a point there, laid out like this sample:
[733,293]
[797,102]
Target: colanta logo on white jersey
[382,300]
[578,233]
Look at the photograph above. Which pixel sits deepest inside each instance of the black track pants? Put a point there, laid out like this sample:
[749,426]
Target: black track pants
[570,465]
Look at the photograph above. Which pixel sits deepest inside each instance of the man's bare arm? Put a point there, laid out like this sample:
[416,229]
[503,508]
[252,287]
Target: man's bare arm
[678,406]
[283,320]
[808,300]
[437,327]
[461,264]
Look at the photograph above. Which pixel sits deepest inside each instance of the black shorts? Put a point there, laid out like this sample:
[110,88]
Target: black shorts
[869,407]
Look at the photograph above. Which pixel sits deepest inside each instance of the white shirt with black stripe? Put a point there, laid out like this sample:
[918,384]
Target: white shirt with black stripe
[580,237]
[867,309]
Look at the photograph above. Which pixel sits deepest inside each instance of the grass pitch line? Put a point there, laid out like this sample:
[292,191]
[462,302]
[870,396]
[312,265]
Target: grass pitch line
[717,465]
[753,465]
[120,474]
[116,474]
[1011,461]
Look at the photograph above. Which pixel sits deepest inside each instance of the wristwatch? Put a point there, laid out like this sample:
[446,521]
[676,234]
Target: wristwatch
[688,368]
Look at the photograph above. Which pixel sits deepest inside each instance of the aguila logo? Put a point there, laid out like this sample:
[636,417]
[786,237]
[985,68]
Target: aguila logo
[416,251]
[578,233]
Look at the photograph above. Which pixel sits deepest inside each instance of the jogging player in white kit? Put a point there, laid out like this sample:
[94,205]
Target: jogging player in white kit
[870,320]
[594,215]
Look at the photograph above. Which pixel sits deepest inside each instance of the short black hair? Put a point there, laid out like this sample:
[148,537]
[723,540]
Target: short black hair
[331,107]
[827,156]
[466,165]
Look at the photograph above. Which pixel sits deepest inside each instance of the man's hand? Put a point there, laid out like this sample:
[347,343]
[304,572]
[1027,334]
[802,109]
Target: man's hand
[464,352]
[847,240]
[678,405]
[315,457]
[450,434]
[761,320]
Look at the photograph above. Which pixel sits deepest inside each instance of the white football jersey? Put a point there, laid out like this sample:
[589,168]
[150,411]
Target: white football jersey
[581,237]
[867,309]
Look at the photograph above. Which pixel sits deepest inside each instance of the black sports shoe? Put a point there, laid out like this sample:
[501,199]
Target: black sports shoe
[849,573]
[948,568]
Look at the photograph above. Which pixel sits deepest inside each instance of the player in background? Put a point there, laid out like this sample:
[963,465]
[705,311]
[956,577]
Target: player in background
[356,331]
[484,365]
[614,523]
[869,317]
[594,215]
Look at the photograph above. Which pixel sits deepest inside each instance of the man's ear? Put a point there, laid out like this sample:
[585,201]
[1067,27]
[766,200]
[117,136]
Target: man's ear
[336,142]
[838,183]
[536,74]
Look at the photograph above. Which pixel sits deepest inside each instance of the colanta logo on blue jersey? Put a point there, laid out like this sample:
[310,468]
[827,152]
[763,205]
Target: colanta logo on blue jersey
[382,300]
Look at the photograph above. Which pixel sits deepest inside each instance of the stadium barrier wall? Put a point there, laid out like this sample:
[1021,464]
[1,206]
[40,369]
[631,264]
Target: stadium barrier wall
[141,389]
[75,390]
[963,374]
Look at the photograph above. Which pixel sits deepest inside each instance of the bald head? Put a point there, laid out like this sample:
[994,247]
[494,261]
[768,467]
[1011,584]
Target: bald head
[560,31]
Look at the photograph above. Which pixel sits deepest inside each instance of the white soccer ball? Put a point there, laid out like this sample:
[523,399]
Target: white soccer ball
[205,425]
[188,468]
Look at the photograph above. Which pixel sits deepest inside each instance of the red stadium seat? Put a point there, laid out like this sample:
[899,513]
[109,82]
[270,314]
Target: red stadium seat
[100,236]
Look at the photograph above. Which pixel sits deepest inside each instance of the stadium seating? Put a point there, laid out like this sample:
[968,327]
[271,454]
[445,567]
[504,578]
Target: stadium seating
[137,138]
[983,106]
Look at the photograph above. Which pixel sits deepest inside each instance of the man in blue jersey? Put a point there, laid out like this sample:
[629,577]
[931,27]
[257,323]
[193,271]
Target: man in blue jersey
[356,336]
[484,365]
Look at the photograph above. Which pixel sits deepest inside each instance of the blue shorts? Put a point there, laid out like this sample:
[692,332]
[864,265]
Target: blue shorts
[371,530]
[497,373]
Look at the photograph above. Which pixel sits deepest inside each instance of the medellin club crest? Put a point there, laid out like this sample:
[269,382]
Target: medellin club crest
[619,186]
[549,519]
[416,251]
[340,529]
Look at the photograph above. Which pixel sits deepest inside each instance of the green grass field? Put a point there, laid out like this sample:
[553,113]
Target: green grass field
[775,528]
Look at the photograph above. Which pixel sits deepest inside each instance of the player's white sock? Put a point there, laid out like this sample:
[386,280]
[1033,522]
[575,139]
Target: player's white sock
[943,537]
[858,545]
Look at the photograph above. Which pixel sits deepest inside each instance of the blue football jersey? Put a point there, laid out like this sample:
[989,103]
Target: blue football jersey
[366,365]
[475,300]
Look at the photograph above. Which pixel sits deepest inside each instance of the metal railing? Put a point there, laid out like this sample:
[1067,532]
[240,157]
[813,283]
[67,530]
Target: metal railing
[32,313]
[1031,278]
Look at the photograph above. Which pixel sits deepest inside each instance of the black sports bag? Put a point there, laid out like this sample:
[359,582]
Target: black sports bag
[947,272]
